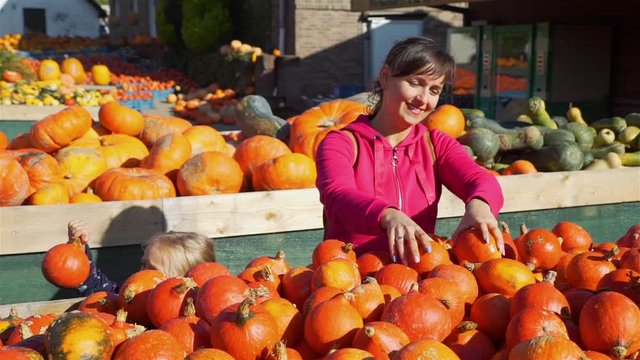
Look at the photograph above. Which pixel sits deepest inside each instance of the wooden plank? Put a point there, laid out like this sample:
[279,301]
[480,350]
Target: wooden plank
[40,307]
[31,113]
[125,223]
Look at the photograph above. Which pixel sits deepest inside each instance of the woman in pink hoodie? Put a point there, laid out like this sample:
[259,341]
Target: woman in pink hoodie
[377,177]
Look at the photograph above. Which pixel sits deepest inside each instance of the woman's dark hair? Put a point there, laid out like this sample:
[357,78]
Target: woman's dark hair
[414,55]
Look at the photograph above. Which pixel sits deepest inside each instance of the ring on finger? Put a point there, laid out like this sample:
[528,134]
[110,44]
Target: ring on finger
[400,238]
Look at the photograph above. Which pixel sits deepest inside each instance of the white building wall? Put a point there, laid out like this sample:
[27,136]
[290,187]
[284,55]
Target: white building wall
[64,17]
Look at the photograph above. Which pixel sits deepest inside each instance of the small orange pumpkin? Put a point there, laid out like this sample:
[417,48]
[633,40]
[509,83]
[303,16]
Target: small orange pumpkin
[14,180]
[66,265]
[289,171]
[58,130]
[133,184]
[210,172]
[120,119]
[447,119]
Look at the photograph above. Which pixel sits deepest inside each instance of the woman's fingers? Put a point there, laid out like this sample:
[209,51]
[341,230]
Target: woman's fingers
[497,235]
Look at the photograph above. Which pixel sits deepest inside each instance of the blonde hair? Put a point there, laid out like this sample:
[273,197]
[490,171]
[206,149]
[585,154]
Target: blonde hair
[179,251]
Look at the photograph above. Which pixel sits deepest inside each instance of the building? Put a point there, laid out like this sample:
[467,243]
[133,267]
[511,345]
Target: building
[54,18]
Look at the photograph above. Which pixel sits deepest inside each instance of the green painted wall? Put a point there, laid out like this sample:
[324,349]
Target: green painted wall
[13,128]
[22,281]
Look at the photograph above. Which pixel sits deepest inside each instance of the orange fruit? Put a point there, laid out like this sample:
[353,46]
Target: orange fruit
[520,167]
[448,119]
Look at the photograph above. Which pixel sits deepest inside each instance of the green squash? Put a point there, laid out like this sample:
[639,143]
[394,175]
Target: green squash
[255,117]
[484,143]
[562,156]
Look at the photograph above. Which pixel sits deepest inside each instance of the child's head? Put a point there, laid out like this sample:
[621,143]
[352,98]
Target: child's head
[174,253]
[414,56]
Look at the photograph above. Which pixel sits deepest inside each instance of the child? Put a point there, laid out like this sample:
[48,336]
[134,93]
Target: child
[172,253]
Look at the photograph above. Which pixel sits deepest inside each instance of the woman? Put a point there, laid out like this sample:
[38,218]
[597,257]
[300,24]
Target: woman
[377,178]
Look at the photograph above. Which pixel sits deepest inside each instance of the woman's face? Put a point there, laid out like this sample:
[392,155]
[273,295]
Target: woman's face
[411,98]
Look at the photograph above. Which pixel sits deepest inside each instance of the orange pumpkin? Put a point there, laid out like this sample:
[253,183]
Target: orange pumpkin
[134,294]
[20,141]
[100,74]
[468,342]
[547,347]
[461,276]
[331,249]
[49,70]
[416,349]
[348,353]
[255,150]
[168,154]
[120,150]
[289,320]
[14,180]
[207,173]
[4,140]
[448,294]
[133,184]
[520,167]
[529,323]
[573,236]
[296,285]
[73,67]
[209,354]
[58,130]
[154,344]
[542,295]
[585,270]
[100,302]
[168,299]
[66,265]
[470,246]
[156,126]
[339,273]
[205,138]
[204,271]
[380,338]
[84,198]
[121,119]
[318,121]
[370,262]
[399,276]
[320,295]
[190,331]
[447,119]
[210,303]
[429,260]
[540,249]
[368,299]
[41,167]
[289,171]
[277,263]
[503,276]
[323,335]
[491,313]
[50,194]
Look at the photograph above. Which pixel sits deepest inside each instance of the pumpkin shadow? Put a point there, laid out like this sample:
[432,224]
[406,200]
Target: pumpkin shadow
[135,224]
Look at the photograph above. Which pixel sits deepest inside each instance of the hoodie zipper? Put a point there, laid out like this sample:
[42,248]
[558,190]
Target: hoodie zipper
[394,164]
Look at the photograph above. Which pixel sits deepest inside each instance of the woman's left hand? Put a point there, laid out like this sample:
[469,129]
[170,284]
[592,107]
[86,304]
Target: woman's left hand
[478,215]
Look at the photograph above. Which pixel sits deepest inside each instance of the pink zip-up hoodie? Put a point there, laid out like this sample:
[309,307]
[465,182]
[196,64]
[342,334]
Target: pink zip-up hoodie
[354,192]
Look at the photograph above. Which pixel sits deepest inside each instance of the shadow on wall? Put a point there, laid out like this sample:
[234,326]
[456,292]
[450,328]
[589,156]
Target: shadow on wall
[335,72]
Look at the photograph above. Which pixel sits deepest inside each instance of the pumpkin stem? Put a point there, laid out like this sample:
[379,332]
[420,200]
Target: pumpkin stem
[244,314]
[523,229]
[128,295]
[467,326]
[369,330]
[280,255]
[349,296]
[190,308]
[266,273]
[370,280]
[280,351]
[609,255]
[619,351]
[25,331]
[76,241]
[505,227]
[550,277]
[470,266]
[13,314]
[446,303]
[258,292]
[121,316]
[531,266]
[185,285]
[347,248]
[414,287]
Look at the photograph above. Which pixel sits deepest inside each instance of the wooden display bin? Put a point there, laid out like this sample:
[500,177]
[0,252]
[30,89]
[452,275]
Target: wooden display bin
[246,225]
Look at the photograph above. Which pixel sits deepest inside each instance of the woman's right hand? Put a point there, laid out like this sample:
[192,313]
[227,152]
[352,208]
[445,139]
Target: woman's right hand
[78,229]
[403,233]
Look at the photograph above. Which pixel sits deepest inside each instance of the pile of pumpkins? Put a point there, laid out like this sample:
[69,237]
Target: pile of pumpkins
[553,295]
[68,158]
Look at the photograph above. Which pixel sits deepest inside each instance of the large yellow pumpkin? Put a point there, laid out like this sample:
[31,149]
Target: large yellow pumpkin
[49,70]
[100,74]
[74,67]
[80,166]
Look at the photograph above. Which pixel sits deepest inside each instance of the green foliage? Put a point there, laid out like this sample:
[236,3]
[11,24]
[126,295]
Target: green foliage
[10,60]
[169,22]
[205,24]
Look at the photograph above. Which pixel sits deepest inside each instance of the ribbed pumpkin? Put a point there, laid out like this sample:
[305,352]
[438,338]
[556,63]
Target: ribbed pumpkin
[168,154]
[120,150]
[331,249]
[168,299]
[156,126]
[219,293]
[289,320]
[209,354]
[573,236]
[547,347]
[50,194]
[101,301]
[380,338]
[399,276]
[503,276]
[368,299]
[190,331]
[319,296]
[58,130]
[370,262]
[49,70]
[421,316]
[134,294]
[331,324]
[255,150]
[72,66]
[315,122]
[277,263]
[417,349]
[339,273]
[20,141]
[529,323]
[540,249]
[542,295]
[471,247]
[204,271]
[205,138]
[429,260]
[63,334]
[616,319]
[100,74]
[154,344]
[41,167]
[296,285]
[491,313]
[468,342]
[285,172]
[14,180]
[66,265]
[448,294]
[80,166]
[246,331]
[133,184]
[208,173]
[121,119]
